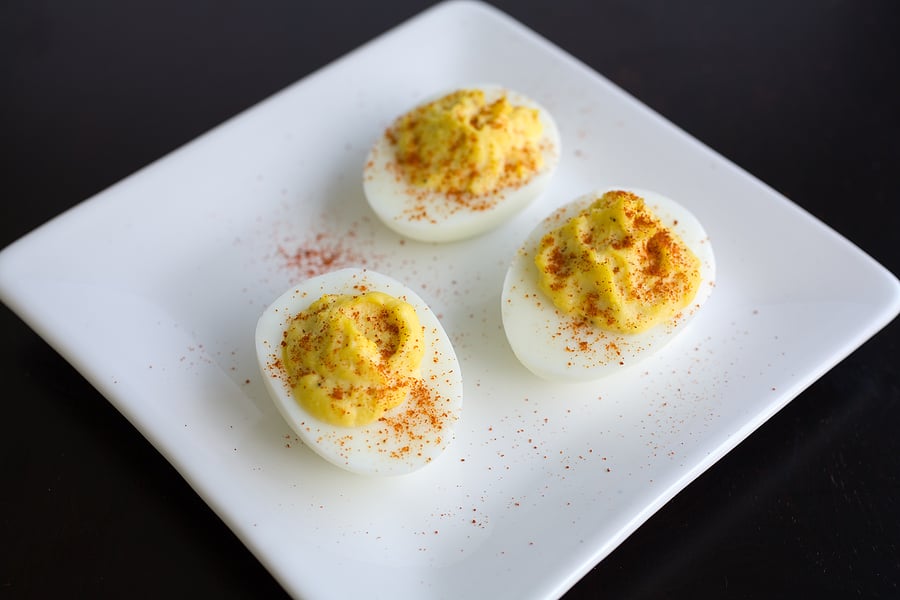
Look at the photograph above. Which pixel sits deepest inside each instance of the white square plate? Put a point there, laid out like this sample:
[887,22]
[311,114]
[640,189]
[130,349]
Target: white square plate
[153,287]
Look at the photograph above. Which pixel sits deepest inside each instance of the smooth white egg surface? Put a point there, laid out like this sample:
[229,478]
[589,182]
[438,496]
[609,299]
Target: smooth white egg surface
[404,438]
[422,214]
[562,347]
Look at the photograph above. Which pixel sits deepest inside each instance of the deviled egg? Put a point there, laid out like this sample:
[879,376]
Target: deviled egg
[461,164]
[604,282]
[362,370]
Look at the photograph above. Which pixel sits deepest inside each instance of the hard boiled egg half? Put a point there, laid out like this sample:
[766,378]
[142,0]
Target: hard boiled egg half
[558,344]
[362,371]
[461,164]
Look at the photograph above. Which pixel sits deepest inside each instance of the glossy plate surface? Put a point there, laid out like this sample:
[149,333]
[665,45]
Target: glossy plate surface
[152,289]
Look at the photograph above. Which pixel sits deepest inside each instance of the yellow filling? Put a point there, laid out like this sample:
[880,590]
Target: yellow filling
[460,144]
[616,265]
[351,358]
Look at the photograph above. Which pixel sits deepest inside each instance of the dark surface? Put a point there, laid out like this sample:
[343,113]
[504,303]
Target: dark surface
[804,95]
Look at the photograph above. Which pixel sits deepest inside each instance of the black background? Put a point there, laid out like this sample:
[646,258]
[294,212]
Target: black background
[804,95]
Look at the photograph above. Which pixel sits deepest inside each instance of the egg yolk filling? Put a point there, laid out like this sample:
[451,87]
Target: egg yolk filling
[616,265]
[462,145]
[350,358]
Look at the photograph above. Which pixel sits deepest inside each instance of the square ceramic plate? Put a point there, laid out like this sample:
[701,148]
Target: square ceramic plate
[165,274]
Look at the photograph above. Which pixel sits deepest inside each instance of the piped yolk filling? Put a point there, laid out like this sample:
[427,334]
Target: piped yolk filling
[616,265]
[350,358]
[462,145]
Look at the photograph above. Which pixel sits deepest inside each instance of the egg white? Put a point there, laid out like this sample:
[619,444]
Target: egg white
[377,448]
[554,345]
[428,216]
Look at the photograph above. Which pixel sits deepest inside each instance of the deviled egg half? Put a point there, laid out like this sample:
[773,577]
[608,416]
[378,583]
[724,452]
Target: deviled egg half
[461,164]
[604,282]
[362,371]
